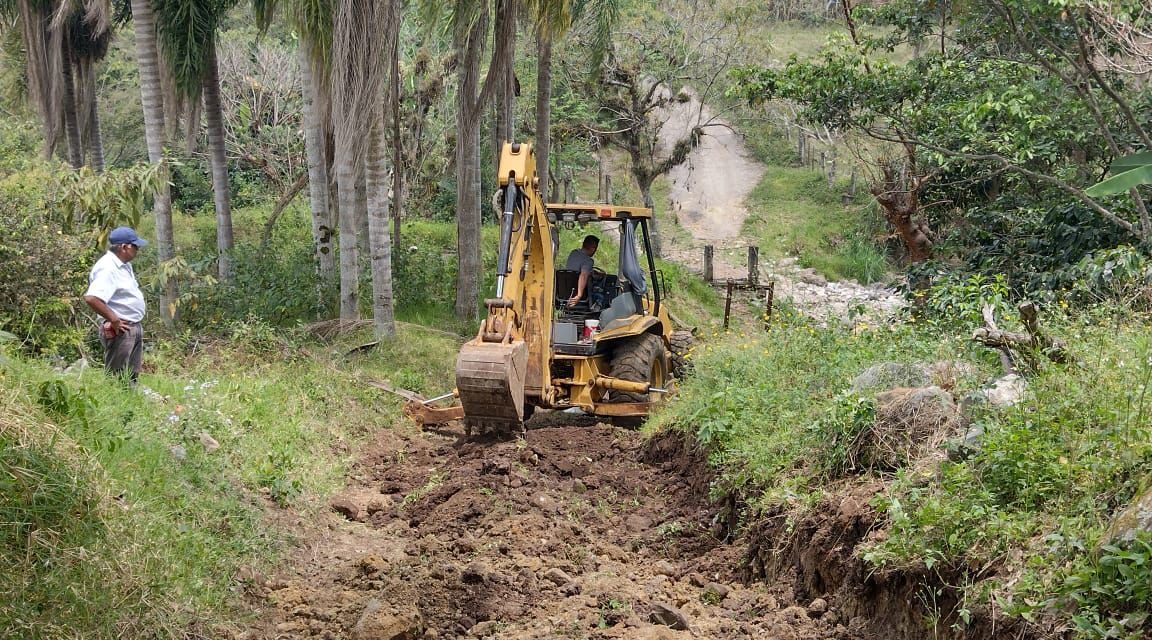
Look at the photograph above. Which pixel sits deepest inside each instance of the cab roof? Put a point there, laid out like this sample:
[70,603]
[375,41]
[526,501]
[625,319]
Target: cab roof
[594,211]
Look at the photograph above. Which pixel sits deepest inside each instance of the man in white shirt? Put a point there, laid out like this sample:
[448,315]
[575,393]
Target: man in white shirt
[114,294]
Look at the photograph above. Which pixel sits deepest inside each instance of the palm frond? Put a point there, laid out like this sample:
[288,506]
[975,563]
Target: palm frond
[186,29]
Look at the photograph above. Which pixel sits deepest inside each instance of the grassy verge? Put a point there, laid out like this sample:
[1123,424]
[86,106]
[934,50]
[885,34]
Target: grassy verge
[1018,524]
[794,213]
[132,514]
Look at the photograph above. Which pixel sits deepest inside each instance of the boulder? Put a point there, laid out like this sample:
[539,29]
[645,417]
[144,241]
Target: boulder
[1134,519]
[909,423]
[891,375]
[669,616]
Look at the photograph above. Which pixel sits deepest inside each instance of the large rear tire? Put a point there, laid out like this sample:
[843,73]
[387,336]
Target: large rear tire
[681,343]
[640,359]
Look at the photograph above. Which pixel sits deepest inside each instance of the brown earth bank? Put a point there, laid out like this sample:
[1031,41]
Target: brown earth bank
[578,530]
[815,552]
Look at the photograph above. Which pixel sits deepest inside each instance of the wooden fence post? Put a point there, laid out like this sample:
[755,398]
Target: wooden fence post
[753,265]
[607,189]
[768,300]
[708,263]
[728,304]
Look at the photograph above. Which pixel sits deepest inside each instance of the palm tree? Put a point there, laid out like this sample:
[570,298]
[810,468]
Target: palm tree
[358,77]
[152,101]
[62,41]
[188,30]
[312,19]
[553,18]
[469,22]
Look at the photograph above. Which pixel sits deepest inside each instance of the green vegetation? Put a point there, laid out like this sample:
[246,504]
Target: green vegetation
[1029,504]
[793,212]
[129,512]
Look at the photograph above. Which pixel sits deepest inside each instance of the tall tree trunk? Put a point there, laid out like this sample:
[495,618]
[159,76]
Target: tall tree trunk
[505,128]
[362,204]
[71,119]
[397,141]
[150,97]
[646,194]
[543,110]
[346,180]
[214,120]
[468,177]
[95,139]
[379,244]
[317,176]
[42,60]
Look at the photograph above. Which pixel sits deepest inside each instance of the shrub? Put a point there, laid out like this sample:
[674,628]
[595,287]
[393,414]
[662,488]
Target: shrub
[45,271]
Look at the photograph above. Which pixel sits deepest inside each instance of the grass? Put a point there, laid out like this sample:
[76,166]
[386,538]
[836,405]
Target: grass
[793,213]
[118,520]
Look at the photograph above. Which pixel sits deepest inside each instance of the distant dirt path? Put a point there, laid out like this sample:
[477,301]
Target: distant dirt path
[707,195]
[580,531]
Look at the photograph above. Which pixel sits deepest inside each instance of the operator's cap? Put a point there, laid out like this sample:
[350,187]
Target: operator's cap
[126,235]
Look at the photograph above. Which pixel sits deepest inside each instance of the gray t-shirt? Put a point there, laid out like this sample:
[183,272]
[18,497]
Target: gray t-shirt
[580,261]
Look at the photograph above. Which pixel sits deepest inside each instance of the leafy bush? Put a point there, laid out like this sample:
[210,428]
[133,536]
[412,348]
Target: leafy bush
[45,271]
[956,300]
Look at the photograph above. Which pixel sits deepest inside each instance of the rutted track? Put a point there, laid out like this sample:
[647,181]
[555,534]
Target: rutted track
[580,530]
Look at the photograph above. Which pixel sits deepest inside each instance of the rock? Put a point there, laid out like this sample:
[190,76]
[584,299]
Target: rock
[474,573]
[909,423]
[380,623]
[665,568]
[809,276]
[545,502]
[178,452]
[669,616]
[376,506]
[1134,519]
[481,629]
[637,523]
[715,592]
[889,375]
[817,607]
[346,508]
[1006,391]
[557,577]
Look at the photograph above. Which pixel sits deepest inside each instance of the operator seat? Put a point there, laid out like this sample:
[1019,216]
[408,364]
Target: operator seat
[567,281]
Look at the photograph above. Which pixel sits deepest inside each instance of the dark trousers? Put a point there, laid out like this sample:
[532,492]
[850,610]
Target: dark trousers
[122,353]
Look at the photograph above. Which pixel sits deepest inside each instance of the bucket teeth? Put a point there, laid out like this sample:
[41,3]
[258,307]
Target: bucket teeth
[490,380]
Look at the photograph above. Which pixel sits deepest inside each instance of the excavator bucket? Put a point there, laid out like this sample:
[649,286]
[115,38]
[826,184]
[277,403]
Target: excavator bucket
[490,380]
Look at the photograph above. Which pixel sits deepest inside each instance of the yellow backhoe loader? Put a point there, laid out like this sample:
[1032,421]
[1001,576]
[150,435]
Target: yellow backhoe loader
[536,347]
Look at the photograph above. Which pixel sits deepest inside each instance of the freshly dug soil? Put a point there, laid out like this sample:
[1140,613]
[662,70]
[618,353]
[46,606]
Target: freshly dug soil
[580,530]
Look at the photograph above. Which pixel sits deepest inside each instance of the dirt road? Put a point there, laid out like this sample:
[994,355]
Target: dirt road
[578,531]
[707,196]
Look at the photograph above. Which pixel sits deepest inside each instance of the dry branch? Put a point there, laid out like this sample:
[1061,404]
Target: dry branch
[1020,348]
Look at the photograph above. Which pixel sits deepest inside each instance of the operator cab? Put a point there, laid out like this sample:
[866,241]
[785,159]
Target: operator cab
[613,299]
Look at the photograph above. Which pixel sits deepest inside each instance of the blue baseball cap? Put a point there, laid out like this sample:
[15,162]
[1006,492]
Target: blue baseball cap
[125,235]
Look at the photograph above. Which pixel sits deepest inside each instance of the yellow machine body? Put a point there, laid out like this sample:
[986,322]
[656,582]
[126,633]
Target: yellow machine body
[524,354]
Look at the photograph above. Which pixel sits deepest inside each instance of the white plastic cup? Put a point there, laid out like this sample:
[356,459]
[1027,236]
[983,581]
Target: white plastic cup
[591,326]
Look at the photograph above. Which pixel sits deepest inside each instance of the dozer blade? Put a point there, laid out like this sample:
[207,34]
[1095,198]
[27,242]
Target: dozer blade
[490,380]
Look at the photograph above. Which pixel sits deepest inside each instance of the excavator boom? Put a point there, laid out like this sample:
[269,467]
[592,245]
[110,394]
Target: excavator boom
[507,360]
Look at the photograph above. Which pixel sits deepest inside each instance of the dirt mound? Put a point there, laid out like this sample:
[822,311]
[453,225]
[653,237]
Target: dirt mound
[572,532]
